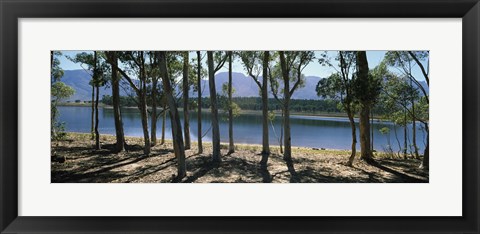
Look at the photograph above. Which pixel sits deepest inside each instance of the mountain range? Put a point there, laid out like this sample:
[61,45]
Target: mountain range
[243,85]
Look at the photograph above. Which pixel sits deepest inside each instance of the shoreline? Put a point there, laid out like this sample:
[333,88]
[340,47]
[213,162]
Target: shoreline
[247,112]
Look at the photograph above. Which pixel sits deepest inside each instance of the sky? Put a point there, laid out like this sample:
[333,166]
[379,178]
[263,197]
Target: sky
[313,69]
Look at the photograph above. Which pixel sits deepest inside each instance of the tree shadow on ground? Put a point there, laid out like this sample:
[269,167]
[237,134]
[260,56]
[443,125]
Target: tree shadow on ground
[239,169]
[404,178]
[98,165]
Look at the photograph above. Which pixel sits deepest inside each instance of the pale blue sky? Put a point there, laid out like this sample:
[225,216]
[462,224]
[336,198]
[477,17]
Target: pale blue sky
[313,69]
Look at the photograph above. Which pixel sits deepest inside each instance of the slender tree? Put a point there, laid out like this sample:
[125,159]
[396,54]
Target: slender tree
[199,100]
[212,69]
[339,86]
[367,89]
[404,62]
[135,62]
[255,62]
[231,146]
[186,88]
[96,78]
[178,145]
[292,65]
[119,133]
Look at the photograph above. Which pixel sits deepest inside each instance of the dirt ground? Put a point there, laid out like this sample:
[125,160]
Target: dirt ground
[75,161]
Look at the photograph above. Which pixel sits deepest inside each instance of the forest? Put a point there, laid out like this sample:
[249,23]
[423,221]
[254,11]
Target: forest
[159,87]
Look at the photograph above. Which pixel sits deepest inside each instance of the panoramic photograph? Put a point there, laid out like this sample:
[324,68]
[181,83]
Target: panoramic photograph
[239,116]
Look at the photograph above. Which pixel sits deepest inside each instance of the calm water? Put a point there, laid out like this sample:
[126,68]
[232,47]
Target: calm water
[308,131]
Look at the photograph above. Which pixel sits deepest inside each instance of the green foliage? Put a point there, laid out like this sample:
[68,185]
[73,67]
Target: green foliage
[368,90]
[61,91]
[225,103]
[384,130]
[56,72]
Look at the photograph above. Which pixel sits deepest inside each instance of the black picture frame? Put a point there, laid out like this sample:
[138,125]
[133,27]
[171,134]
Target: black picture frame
[11,11]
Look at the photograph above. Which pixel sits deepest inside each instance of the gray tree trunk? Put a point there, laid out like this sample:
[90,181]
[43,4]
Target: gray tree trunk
[186,117]
[265,140]
[143,106]
[287,154]
[92,129]
[164,117]
[97,84]
[199,113]
[178,144]
[214,109]
[362,74]
[144,116]
[153,115]
[354,137]
[231,146]
[426,159]
[119,134]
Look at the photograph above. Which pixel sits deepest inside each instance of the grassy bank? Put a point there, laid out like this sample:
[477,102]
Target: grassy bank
[75,160]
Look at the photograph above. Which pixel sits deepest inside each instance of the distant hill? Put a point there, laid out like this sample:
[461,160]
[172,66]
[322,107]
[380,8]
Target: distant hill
[244,86]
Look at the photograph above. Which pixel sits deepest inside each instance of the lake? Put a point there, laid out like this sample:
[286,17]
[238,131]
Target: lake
[307,131]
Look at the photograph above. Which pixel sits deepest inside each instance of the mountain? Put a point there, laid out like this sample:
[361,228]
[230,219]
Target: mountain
[244,86]
[80,81]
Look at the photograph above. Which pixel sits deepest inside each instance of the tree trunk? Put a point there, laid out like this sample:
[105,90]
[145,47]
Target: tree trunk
[426,160]
[153,115]
[164,117]
[231,146]
[97,85]
[414,129]
[92,129]
[265,140]
[177,137]
[366,153]
[371,129]
[398,141]
[97,134]
[120,144]
[144,116]
[186,117]
[354,137]
[199,112]
[282,123]
[405,145]
[362,74]
[214,109]
[287,155]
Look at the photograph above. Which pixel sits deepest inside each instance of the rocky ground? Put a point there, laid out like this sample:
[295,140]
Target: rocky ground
[74,160]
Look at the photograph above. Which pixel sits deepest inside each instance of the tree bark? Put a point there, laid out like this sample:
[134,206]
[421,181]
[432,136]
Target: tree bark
[426,159]
[354,137]
[362,75]
[143,106]
[405,145]
[186,117]
[97,85]
[153,114]
[199,112]
[287,154]
[214,109]
[164,117]
[92,129]
[178,144]
[231,146]
[265,140]
[119,134]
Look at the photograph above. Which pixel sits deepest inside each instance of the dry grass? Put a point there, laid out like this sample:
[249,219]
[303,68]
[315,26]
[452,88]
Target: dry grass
[75,161]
